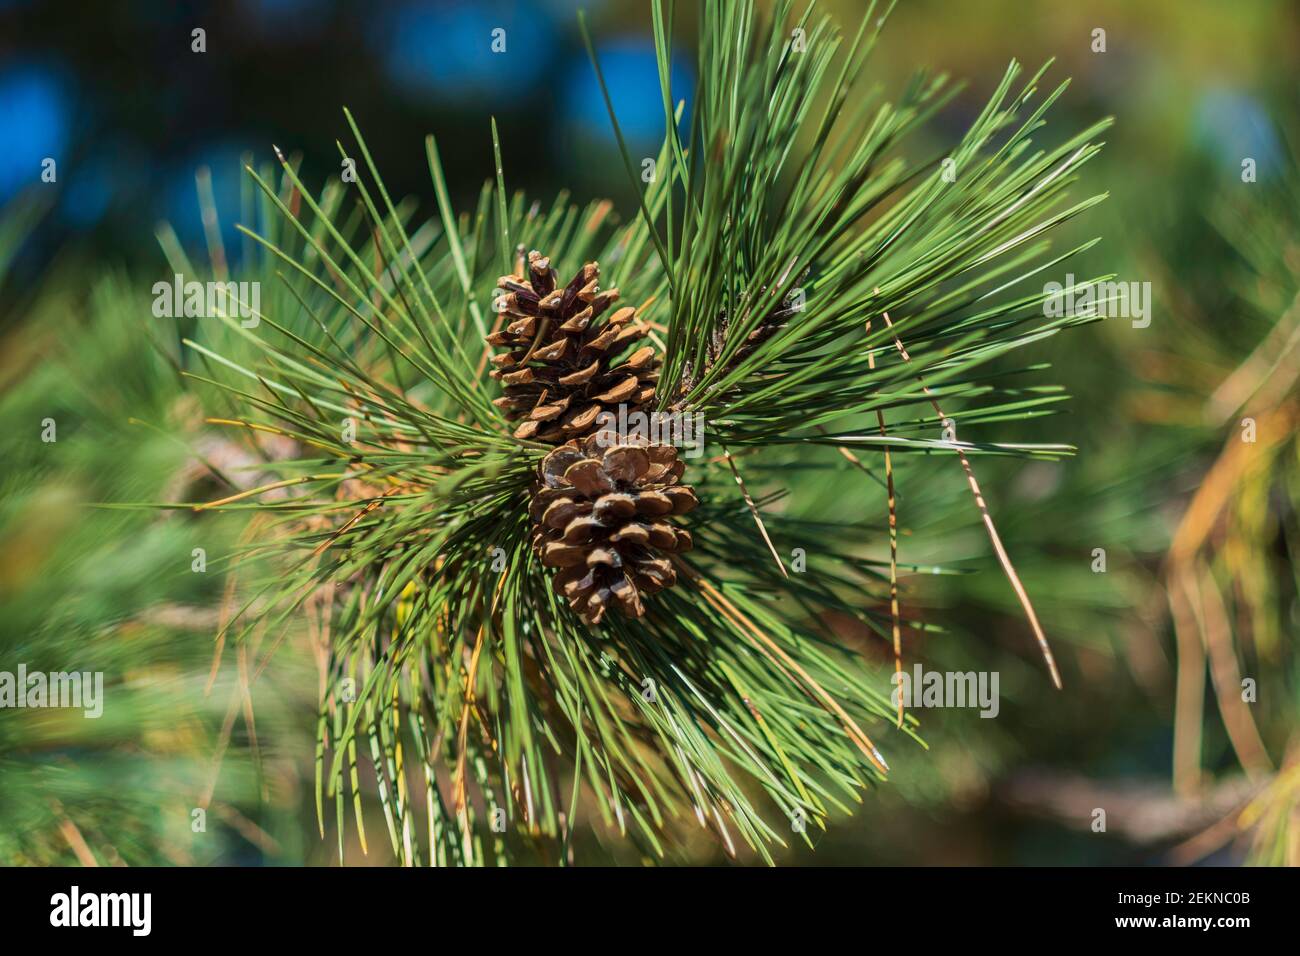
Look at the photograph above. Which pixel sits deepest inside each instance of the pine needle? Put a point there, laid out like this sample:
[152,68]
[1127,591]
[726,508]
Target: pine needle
[1021,594]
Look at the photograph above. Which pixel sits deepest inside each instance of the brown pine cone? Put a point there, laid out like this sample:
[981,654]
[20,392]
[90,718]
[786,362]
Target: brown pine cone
[599,516]
[559,372]
[771,325]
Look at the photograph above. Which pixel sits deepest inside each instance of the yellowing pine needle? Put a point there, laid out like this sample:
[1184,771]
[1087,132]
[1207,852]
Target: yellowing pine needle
[893,550]
[285,483]
[1001,552]
[753,510]
[720,602]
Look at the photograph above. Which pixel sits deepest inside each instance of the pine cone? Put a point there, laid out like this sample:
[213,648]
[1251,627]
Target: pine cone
[599,517]
[559,373]
[775,322]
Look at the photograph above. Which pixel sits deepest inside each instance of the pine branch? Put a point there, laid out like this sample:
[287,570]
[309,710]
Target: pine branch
[777,229]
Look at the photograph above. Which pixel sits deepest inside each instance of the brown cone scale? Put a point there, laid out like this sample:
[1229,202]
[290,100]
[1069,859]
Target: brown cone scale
[568,353]
[602,518]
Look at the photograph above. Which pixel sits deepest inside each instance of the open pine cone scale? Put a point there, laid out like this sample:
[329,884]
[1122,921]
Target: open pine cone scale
[601,518]
[557,373]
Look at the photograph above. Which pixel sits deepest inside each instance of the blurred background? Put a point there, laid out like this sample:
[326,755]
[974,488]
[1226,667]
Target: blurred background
[1198,589]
